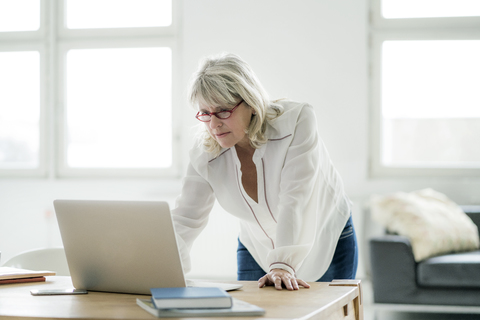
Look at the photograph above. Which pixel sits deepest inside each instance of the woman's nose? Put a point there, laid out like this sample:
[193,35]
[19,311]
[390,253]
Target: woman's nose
[215,122]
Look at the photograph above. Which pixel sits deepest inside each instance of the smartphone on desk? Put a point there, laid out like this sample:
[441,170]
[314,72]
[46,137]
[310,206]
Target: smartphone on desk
[51,292]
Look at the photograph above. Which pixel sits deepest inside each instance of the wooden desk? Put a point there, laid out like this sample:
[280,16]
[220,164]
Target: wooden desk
[335,300]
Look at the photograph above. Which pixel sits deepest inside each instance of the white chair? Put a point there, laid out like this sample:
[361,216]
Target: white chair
[51,259]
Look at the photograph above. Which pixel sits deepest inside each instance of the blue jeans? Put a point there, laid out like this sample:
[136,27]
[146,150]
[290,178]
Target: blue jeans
[343,266]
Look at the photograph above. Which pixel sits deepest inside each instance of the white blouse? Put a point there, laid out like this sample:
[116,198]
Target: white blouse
[302,207]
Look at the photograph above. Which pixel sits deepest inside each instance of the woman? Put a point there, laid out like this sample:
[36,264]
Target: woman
[265,164]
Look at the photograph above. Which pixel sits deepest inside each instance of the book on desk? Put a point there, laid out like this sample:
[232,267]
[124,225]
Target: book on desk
[10,275]
[190,297]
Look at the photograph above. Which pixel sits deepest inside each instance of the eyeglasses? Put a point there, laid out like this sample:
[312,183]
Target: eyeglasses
[224,114]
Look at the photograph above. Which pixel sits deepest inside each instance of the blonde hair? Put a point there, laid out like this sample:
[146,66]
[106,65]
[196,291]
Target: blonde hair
[224,80]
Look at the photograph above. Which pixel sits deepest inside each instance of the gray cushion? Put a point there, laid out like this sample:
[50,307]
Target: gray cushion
[452,270]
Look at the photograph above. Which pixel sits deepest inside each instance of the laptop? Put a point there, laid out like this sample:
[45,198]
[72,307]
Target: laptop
[122,246]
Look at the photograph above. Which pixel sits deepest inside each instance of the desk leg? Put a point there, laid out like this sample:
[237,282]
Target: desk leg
[358,301]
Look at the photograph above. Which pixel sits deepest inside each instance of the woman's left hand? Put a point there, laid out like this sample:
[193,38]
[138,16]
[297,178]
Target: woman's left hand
[277,277]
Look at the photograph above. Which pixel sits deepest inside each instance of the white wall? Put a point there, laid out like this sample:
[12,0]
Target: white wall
[308,50]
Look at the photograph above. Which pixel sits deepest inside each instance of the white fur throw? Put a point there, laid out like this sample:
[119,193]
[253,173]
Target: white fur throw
[430,220]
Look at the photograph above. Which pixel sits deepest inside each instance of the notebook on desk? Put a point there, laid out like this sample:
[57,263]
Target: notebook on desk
[121,246]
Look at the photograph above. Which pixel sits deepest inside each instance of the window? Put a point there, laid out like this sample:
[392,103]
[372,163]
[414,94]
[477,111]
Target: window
[424,81]
[93,14]
[87,88]
[19,112]
[125,120]
[19,15]
[396,9]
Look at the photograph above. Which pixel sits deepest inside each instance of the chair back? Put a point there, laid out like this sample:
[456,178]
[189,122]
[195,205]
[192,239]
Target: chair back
[51,259]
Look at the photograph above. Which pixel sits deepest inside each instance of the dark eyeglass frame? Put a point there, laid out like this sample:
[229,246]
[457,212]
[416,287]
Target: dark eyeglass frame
[216,114]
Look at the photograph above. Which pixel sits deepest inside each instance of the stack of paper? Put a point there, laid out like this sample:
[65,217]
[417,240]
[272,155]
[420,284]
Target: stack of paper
[196,302]
[239,309]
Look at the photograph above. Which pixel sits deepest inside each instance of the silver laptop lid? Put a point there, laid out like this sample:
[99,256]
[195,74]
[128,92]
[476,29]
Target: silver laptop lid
[119,246]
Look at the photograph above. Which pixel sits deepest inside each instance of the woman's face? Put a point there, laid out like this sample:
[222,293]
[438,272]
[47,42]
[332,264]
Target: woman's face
[229,132]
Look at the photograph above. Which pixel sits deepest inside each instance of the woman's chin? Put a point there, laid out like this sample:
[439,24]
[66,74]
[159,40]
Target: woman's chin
[225,145]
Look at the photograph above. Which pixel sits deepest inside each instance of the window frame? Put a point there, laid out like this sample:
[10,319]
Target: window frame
[53,40]
[381,30]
